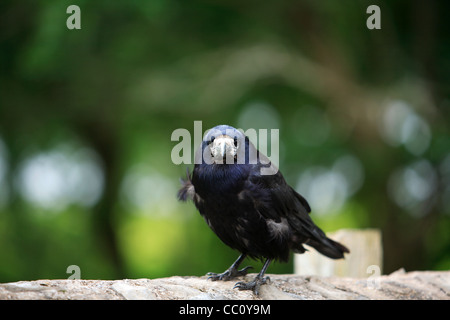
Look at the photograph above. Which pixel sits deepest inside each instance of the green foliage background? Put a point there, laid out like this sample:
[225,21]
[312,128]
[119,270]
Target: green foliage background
[138,70]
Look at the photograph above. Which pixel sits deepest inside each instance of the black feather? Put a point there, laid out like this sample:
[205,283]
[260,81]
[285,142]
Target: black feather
[187,190]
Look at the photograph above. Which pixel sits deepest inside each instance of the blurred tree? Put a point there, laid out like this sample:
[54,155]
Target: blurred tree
[138,70]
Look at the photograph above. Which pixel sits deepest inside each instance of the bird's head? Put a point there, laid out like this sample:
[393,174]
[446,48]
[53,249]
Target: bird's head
[223,143]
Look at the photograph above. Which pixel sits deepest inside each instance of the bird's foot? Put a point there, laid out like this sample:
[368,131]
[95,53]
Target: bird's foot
[229,274]
[252,285]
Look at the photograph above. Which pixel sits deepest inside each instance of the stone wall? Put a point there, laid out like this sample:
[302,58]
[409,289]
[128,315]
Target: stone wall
[399,285]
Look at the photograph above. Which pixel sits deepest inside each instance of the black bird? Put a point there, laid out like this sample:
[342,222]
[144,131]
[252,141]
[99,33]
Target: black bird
[247,203]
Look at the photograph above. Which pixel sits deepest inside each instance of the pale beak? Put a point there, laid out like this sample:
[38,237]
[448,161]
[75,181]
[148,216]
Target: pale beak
[223,146]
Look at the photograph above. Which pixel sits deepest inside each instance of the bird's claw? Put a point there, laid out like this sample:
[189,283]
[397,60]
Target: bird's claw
[228,274]
[252,285]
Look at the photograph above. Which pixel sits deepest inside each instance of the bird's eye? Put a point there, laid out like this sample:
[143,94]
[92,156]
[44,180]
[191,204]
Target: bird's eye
[211,140]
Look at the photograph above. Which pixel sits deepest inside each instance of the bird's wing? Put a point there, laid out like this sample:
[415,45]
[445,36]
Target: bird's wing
[274,198]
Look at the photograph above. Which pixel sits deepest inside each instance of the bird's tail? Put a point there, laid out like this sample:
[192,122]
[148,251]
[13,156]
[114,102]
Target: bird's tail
[326,246]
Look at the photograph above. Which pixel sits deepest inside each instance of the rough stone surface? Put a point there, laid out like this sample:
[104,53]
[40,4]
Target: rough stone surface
[399,285]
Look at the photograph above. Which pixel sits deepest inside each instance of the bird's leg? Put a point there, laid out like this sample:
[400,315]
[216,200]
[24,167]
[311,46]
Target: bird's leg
[257,282]
[232,272]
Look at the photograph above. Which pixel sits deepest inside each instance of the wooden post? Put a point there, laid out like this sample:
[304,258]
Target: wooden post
[364,260]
